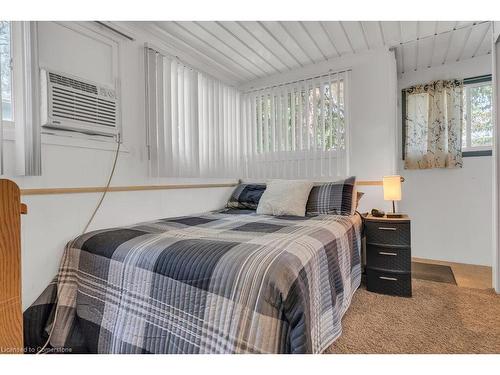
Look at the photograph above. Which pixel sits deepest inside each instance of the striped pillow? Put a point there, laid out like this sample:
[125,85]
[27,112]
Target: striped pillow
[337,198]
[246,196]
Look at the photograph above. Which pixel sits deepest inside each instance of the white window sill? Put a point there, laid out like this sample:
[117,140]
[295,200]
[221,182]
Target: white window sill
[69,139]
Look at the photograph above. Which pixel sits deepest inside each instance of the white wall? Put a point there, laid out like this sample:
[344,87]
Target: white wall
[68,162]
[451,210]
[372,111]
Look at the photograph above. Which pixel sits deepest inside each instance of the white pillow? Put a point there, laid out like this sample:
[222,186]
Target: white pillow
[285,197]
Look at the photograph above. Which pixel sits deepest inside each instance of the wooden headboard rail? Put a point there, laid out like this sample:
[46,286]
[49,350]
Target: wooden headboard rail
[11,318]
[100,189]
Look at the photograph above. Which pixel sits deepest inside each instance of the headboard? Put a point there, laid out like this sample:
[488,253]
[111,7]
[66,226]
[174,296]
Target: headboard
[11,318]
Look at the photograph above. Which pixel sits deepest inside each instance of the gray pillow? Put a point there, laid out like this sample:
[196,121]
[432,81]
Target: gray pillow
[337,198]
[285,197]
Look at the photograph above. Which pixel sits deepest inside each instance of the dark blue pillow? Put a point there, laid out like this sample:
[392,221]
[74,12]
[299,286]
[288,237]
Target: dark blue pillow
[246,196]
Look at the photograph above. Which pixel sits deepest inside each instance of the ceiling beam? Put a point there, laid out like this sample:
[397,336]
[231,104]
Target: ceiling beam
[381,30]
[313,40]
[280,43]
[240,24]
[402,47]
[399,67]
[347,37]
[417,46]
[364,34]
[450,40]
[193,35]
[433,45]
[276,69]
[290,35]
[327,32]
[466,39]
[231,48]
[487,29]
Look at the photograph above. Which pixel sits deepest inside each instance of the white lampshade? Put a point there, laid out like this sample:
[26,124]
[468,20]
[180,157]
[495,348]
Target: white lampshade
[392,188]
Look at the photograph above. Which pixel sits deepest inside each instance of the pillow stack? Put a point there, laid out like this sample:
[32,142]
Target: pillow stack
[297,197]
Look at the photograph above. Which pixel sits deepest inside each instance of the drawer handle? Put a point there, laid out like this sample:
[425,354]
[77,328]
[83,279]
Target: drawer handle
[388,278]
[387,228]
[385,253]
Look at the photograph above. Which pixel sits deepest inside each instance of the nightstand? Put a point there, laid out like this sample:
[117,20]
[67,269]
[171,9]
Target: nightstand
[388,255]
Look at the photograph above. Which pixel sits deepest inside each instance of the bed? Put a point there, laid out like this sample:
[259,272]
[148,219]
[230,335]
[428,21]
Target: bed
[228,281]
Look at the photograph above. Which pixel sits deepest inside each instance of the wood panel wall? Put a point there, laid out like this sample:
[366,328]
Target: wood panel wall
[11,318]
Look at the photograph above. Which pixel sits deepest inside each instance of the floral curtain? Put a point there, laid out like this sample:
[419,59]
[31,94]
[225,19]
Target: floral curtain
[434,125]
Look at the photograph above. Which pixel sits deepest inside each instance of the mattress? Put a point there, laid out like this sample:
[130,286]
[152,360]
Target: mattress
[228,281]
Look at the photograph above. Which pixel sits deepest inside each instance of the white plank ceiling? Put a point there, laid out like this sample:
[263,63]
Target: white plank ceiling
[247,50]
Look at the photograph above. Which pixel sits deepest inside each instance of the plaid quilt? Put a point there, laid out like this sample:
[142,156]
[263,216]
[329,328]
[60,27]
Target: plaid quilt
[223,282]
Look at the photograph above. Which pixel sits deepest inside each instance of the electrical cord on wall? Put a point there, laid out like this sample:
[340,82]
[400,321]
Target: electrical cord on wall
[106,188]
[105,191]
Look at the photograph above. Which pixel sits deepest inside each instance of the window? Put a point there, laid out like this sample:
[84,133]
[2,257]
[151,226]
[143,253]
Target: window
[19,59]
[477,121]
[192,121]
[299,129]
[313,119]
[198,126]
[5,69]
[477,131]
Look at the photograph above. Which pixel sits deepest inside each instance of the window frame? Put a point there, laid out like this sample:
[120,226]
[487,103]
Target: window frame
[467,152]
[477,150]
[9,125]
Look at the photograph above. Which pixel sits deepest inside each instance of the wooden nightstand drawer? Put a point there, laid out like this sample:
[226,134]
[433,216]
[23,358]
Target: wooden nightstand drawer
[393,283]
[388,258]
[388,233]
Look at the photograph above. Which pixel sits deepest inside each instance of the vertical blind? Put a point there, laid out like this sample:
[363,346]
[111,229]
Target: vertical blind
[299,130]
[170,115]
[219,128]
[192,121]
[198,126]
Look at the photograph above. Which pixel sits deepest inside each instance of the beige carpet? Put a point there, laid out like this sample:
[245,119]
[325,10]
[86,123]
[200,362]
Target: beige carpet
[439,318]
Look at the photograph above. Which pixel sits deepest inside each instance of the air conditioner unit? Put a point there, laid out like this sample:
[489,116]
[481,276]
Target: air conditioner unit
[72,103]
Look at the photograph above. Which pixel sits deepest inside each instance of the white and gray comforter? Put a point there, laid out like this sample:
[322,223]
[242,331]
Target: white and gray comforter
[223,282]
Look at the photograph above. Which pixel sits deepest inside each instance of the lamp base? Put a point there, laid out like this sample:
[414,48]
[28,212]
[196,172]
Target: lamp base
[394,215]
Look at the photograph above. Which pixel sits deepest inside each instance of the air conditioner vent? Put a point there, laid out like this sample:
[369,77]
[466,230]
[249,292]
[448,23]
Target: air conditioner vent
[69,82]
[78,106]
[75,104]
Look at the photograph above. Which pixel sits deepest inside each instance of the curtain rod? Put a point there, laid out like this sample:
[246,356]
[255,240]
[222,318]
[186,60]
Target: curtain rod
[474,24]
[330,72]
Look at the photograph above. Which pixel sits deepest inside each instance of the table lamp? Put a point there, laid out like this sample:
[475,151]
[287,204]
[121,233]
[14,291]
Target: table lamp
[392,192]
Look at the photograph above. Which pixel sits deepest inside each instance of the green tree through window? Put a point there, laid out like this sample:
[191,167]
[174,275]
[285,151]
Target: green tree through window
[477,129]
